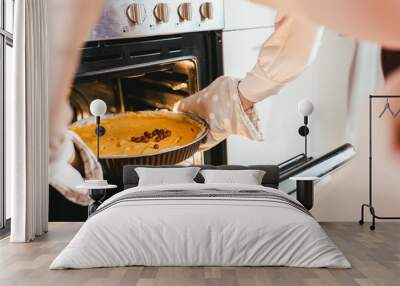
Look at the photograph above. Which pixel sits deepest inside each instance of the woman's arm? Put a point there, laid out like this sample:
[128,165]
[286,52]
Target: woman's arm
[283,56]
[69,25]
[371,20]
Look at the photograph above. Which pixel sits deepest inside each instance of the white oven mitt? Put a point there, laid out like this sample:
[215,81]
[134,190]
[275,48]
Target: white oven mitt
[219,104]
[65,178]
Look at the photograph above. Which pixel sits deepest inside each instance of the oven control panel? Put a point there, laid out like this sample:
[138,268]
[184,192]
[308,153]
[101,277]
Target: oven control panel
[144,18]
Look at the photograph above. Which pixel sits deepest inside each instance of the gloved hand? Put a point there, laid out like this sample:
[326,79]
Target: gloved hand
[219,104]
[65,177]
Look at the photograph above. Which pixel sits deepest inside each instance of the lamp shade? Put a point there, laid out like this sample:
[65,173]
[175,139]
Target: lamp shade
[98,107]
[305,107]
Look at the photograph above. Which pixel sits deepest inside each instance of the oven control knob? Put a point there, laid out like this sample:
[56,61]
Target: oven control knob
[206,11]
[185,12]
[161,12]
[136,13]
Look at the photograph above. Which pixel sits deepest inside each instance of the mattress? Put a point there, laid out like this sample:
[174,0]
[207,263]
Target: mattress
[201,225]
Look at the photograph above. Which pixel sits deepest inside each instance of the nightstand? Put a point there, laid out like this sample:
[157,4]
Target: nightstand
[305,190]
[97,194]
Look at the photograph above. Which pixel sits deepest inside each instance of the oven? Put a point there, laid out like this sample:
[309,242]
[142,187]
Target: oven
[148,74]
[147,55]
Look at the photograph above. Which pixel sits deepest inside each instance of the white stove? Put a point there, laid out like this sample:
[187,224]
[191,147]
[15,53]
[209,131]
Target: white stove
[144,18]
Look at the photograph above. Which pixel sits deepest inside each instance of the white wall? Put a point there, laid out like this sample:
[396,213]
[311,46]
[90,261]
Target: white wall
[336,120]
[340,197]
[325,83]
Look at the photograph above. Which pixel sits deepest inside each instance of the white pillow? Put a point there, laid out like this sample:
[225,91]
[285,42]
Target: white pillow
[247,177]
[166,176]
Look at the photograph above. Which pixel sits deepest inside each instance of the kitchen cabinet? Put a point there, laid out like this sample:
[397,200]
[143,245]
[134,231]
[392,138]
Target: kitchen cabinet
[241,48]
[244,14]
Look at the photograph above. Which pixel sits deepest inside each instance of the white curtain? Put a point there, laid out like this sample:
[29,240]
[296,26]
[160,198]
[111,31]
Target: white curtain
[27,142]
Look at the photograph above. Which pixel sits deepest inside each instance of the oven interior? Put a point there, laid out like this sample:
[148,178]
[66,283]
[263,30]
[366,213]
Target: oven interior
[150,87]
[156,86]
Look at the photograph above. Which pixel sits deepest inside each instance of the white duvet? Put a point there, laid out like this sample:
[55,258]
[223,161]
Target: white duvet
[200,231]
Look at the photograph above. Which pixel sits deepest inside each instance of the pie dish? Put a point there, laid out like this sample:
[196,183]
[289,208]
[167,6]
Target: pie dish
[145,137]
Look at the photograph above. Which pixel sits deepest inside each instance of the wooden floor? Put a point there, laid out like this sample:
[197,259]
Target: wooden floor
[375,257]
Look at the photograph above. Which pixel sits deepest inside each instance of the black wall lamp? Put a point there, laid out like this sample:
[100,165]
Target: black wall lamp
[98,108]
[305,108]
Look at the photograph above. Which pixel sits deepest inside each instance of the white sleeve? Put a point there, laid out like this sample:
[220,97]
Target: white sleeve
[283,56]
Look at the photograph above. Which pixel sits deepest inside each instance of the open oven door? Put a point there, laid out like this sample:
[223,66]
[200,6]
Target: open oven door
[320,167]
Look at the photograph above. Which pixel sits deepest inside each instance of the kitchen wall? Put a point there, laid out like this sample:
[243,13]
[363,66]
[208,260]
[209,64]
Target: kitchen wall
[342,68]
[244,14]
[325,83]
[339,197]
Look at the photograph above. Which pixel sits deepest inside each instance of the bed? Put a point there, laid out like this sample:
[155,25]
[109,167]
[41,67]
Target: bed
[198,224]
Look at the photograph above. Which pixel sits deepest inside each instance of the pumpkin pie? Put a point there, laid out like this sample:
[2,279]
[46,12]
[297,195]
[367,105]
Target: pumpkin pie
[140,133]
